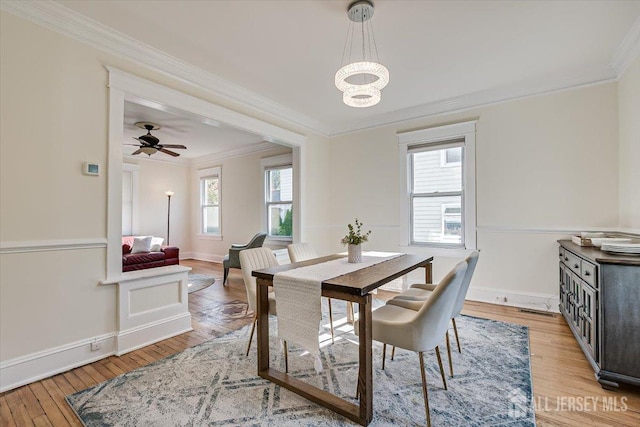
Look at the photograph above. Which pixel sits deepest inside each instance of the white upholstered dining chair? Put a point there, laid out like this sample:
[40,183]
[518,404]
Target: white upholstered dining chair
[257,259]
[422,291]
[301,252]
[420,330]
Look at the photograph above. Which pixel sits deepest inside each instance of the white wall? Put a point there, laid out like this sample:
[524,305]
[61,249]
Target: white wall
[242,196]
[155,177]
[545,165]
[544,162]
[629,155]
[54,109]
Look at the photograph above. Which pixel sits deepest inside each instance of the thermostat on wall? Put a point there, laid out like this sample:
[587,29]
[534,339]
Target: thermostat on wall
[89,168]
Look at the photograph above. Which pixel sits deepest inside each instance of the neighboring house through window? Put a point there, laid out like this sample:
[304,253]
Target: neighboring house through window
[278,202]
[438,165]
[210,201]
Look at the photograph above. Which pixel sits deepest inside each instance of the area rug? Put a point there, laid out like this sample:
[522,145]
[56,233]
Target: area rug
[199,281]
[215,384]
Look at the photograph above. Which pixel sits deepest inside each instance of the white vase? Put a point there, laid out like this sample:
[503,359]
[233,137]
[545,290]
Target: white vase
[355,254]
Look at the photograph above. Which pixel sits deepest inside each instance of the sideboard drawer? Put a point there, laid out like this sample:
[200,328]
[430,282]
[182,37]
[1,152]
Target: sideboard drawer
[573,262]
[561,254]
[588,273]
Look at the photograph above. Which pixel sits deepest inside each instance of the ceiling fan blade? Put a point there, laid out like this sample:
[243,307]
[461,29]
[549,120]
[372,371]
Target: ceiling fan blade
[135,145]
[174,146]
[143,142]
[171,153]
[138,151]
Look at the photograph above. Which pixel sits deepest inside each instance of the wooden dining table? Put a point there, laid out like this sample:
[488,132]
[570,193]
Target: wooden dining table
[354,287]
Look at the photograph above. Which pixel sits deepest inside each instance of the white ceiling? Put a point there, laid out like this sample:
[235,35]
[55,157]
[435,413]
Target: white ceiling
[202,137]
[441,54]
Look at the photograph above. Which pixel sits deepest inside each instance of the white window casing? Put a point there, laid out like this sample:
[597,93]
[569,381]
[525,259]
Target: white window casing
[440,138]
[269,164]
[203,174]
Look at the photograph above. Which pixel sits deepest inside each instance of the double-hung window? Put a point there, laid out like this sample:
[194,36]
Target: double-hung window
[278,200]
[210,201]
[438,165]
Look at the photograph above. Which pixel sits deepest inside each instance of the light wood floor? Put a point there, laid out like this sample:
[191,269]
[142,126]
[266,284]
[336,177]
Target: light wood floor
[564,385]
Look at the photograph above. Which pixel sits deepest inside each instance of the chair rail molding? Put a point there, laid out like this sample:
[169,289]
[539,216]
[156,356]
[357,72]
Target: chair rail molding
[51,245]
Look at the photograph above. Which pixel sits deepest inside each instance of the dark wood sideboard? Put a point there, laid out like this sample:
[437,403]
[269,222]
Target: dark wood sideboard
[600,300]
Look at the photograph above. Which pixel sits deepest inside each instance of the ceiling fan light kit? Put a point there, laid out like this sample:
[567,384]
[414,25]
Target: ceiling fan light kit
[150,144]
[361,81]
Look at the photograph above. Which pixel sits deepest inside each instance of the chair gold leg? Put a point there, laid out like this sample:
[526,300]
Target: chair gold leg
[384,354]
[253,328]
[444,381]
[424,389]
[393,351]
[449,353]
[330,319]
[455,330]
[286,358]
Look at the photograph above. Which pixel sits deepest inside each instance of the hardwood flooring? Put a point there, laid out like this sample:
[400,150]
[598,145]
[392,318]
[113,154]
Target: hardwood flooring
[566,392]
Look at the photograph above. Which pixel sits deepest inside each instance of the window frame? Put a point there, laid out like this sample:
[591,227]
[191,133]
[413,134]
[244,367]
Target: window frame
[203,174]
[274,163]
[438,138]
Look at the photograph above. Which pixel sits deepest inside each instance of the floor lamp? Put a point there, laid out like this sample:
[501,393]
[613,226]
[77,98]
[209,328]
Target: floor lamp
[169,194]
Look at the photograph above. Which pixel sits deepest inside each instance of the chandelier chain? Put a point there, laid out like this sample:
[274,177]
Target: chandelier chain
[375,45]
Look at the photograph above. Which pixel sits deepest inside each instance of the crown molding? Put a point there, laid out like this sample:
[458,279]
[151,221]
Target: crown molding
[72,24]
[628,50]
[479,99]
[236,152]
[79,27]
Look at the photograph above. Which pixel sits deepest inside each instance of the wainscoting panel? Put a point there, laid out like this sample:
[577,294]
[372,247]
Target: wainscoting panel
[152,305]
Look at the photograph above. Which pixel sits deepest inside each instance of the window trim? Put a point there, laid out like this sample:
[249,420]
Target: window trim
[134,170]
[431,138]
[204,174]
[269,163]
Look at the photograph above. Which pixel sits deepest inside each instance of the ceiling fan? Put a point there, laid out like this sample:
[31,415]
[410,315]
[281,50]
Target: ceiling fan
[149,144]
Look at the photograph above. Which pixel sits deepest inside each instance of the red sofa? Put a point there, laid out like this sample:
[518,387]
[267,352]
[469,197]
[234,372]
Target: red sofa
[168,255]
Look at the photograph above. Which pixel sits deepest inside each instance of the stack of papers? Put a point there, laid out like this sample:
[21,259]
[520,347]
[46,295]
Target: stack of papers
[622,248]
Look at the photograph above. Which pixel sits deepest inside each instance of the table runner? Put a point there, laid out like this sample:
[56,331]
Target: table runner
[298,292]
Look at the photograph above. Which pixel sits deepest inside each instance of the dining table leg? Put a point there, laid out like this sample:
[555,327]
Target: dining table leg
[365,374]
[428,273]
[263,324]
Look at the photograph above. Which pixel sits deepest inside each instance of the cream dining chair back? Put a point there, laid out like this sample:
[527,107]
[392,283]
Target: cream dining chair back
[257,259]
[420,330]
[301,252]
[421,292]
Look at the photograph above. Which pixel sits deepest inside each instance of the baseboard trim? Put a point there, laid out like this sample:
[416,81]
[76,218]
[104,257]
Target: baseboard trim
[202,256]
[531,300]
[44,364]
[149,333]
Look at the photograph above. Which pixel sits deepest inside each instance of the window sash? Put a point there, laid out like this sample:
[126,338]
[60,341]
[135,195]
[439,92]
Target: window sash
[282,202]
[204,206]
[413,197]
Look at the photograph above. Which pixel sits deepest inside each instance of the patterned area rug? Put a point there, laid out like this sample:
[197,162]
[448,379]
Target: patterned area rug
[215,384]
[199,281]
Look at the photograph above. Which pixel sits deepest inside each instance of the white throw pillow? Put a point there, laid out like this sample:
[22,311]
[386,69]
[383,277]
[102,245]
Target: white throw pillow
[156,244]
[141,244]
